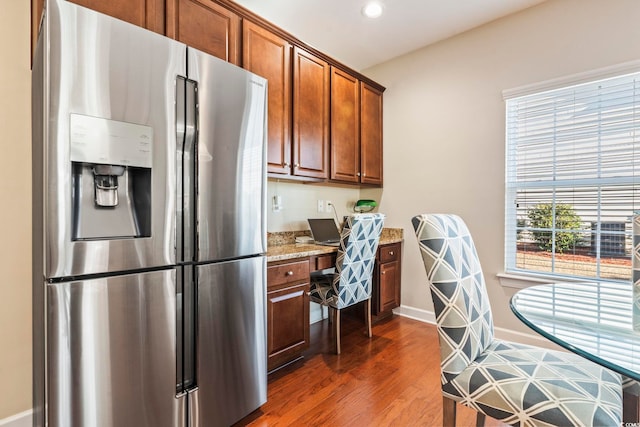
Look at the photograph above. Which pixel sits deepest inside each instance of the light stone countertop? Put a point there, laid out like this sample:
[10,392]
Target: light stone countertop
[285,251]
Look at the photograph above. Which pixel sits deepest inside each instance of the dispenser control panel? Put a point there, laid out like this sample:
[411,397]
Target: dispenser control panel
[104,141]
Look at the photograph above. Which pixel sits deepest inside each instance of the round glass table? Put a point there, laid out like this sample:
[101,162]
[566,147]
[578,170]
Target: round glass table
[593,320]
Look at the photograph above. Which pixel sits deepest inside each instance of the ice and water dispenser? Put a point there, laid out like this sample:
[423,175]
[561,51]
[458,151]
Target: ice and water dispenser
[111,178]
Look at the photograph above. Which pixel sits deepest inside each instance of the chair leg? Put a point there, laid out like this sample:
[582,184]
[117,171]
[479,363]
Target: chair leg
[448,412]
[480,417]
[630,408]
[367,315]
[337,322]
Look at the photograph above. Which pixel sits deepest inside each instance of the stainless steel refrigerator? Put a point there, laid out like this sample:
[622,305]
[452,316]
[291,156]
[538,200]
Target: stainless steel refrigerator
[149,229]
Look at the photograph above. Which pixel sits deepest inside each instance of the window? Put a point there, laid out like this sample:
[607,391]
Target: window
[573,165]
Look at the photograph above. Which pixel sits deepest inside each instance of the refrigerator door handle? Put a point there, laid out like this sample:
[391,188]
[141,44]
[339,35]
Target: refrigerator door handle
[186,135]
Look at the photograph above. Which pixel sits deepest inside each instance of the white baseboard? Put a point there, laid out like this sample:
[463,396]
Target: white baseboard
[500,333]
[416,314]
[23,419]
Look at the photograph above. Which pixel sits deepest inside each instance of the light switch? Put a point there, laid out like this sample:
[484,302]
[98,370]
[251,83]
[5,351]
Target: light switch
[276,204]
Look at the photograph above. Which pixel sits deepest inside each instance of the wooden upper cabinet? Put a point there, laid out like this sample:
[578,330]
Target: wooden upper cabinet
[143,13]
[345,127]
[206,26]
[269,56]
[310,115]
[370,135]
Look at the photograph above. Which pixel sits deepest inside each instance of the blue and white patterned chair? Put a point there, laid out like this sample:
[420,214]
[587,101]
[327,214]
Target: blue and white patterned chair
[631,388]
[351,281]
[514,383]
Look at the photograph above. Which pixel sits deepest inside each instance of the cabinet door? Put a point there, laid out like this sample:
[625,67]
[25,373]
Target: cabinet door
[143,13]
[389,297]
[386,286]
[269,56]
[345,127]
[287,323]
[205,26]
[371,135]
[310,115]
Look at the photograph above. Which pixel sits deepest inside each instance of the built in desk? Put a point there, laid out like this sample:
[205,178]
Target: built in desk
[289,266]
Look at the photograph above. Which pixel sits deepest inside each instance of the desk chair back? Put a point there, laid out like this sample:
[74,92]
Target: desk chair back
[356,258]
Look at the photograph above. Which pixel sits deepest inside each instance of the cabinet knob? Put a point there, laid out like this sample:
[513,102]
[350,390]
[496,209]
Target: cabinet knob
[391,253]
[383,272]
[285,165]
[358,174]
[297,165]
[289,273]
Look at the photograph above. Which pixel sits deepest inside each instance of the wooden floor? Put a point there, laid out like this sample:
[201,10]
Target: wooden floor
[391,379]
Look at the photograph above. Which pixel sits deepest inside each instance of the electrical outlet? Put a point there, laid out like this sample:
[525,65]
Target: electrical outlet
[320,205]
[328,206]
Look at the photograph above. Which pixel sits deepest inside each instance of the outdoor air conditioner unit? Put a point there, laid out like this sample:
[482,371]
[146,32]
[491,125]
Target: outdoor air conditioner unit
[612,238]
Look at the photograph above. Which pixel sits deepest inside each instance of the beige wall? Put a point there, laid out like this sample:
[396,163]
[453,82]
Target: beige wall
[444,120]
[444,145]
[15,213]
[299,202]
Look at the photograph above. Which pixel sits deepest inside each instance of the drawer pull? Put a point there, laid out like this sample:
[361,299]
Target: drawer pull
[289,273]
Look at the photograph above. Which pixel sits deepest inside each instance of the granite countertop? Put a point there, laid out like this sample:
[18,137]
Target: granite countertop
[281,246]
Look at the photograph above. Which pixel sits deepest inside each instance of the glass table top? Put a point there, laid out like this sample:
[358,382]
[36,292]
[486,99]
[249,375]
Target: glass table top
[593,320]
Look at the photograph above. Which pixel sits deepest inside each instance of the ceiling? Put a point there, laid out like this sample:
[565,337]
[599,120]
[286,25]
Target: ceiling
[337,28]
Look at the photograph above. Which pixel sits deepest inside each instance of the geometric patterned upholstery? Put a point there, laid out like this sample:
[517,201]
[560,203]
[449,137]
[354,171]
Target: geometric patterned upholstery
[635,272]
[351,281]
[630,386]
[515,383]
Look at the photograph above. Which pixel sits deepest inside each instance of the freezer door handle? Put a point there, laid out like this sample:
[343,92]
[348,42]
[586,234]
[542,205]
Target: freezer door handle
[185,331]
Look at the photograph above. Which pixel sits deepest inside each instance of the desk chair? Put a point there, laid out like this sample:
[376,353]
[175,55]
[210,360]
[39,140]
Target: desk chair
[514,383]
[351,281]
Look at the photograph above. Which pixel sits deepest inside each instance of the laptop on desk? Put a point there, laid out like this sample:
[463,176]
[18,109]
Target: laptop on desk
[324,231]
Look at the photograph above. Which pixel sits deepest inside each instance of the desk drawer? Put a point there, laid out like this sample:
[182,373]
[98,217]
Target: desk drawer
[389,253]
[321,262]
[289,272]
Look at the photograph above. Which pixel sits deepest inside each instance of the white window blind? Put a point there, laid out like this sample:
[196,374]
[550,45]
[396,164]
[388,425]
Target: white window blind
[571,179]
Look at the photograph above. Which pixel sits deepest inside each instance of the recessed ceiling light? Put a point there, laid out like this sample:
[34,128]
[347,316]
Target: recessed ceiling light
[373,9]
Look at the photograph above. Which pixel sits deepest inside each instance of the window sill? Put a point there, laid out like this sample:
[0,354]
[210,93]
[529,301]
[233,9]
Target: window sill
[522,281]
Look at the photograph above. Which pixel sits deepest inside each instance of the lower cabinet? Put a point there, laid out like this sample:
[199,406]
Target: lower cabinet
[386,281]
[287,311]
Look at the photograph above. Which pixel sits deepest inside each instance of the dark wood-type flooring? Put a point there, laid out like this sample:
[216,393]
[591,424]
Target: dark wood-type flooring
[391,379]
